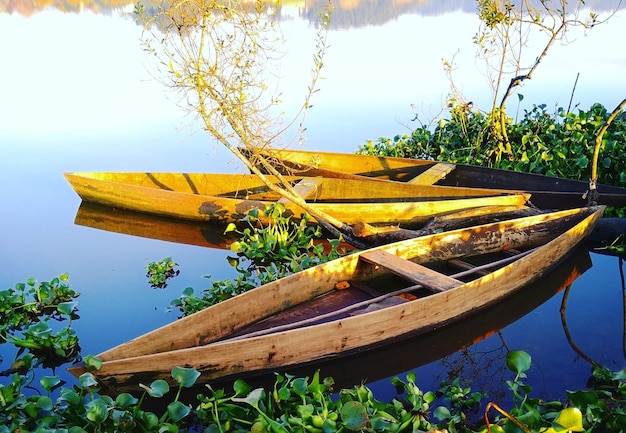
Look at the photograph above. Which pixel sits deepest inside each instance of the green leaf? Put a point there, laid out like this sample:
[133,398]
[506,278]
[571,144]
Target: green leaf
[305,411]
[284,394]
[125,400]
[429,397]
[300,386]
[92,363]
[157,389]
[315,386]
[150,420]
[185,376]
[442,413]
[582,398]
[70,397]
[45,403]
[177,411]
[582,162]
[87,380]
[252,398]
[49,382]
[241,387]
[66,308]
[353,415]
[97,412]
[230,228]
[518,361]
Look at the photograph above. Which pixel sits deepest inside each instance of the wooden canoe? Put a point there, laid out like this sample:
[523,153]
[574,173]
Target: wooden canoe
[547,192]
[394,291]
[224,198]
[410,353]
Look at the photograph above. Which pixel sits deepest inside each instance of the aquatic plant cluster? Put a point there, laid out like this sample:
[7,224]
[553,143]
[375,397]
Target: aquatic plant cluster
[29,315]
[264,254]
[307,404]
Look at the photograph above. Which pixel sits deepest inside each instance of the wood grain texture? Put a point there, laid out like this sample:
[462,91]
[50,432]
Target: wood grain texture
[225,198]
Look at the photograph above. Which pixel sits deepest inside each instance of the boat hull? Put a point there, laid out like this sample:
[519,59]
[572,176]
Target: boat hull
[211,340]
[225,198]
[547,192]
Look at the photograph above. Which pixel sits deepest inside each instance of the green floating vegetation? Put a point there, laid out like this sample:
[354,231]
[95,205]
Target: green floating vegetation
[29,314]
[309,404]
[159,273]
[263,253]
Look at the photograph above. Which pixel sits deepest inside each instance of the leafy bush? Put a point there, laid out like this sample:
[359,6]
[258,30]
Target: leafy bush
[555,144]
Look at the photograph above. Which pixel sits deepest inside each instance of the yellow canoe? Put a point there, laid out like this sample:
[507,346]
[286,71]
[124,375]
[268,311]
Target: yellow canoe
[224,198]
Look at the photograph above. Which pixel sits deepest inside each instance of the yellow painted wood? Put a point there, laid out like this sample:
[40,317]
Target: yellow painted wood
[411,271]
[224,198]
[433,174]
[345,165]
[201,340]
[305,188]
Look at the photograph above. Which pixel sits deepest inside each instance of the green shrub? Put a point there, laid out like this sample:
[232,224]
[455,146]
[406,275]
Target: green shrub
[556,144]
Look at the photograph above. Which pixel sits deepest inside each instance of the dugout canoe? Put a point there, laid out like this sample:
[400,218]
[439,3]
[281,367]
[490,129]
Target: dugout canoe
[547,192]
[360,301]
[408,354]
[225,198]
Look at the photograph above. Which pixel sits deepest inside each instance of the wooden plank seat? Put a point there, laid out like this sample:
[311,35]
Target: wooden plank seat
[433,174]
[411,271]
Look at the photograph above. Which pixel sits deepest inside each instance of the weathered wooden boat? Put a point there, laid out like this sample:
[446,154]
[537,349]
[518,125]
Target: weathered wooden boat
[360,301]
[547,192]
[413,352]
[224,198]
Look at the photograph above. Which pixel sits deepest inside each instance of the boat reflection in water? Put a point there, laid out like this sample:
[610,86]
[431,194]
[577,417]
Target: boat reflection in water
[153,227]
[179,231]
[369,365]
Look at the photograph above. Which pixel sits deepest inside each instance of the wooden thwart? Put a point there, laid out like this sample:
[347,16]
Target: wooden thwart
[411,271]
[433,174]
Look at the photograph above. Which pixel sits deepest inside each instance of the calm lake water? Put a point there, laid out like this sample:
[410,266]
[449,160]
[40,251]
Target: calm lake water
[77,94]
